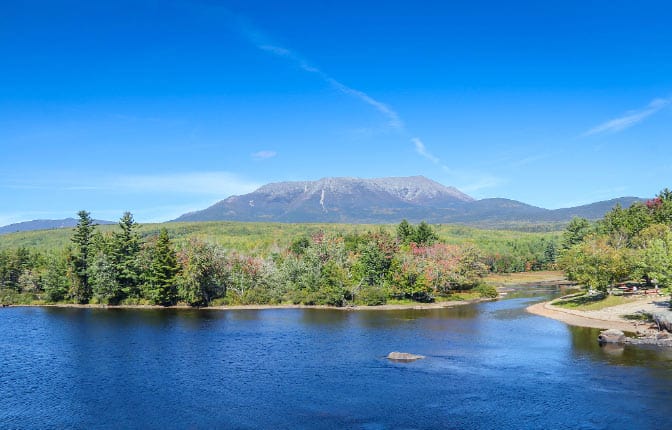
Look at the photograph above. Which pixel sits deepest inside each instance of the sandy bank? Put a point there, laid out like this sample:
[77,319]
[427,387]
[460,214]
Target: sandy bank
[611,317]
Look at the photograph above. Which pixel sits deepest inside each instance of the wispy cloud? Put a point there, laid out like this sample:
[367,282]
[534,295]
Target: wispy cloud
[629,118]
[263,42]
[528,160]
[218,184]
[393,118]
[210,183]
[264,155]
[475,184]
[422,150]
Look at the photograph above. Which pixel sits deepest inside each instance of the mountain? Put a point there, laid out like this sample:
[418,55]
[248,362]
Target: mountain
[501,210]
[44,224]
[347,200]
[383,200]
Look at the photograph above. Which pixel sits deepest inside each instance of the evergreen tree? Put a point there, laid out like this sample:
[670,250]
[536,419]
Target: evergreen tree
[163,268]
[550,253]
[405,232]
[299,245]
[13,265]
[82,238]
[126,247]
[425,234]
[577,229]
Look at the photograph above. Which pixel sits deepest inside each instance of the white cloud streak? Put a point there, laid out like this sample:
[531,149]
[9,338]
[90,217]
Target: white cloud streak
[219,184]
[481,183]
[263,155]
[393,118]
[422,150]
[629,118]
[207,183]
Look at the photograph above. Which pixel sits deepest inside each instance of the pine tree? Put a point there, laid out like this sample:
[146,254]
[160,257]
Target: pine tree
[425,234]
[126,248]
[82,238]
[161,277]
[550,254]
[405,232]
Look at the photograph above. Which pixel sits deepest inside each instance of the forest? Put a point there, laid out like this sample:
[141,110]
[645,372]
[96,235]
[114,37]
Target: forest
[206,264]
[628,244]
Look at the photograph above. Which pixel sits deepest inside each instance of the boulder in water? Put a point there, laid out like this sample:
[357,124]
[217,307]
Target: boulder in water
[403,356]
[611,336]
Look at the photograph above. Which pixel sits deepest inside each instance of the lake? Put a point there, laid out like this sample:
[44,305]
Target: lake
[488,365]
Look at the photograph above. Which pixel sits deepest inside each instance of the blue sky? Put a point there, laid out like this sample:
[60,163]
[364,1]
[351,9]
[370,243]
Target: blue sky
[162,107]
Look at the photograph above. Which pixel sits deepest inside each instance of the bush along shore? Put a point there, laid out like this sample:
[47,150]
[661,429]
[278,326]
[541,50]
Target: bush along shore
[120,268]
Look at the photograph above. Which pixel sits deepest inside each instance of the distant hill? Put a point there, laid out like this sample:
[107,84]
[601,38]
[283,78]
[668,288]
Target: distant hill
[384,200]
[45,224]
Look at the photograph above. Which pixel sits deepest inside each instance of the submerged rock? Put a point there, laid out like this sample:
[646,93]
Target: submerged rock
[611,336]
[404,356]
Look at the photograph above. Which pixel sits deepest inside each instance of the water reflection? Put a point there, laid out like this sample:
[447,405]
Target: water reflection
[584,343]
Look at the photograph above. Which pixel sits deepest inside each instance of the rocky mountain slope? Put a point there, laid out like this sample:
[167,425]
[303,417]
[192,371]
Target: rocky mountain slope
[382,200]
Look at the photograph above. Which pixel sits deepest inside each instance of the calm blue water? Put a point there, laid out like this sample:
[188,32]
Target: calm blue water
[489,365]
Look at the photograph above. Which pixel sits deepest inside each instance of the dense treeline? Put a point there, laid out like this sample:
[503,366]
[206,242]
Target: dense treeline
[504,251]
[121,266]
[633,244]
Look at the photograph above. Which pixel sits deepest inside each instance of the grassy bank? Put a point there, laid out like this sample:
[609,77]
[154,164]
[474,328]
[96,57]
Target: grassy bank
[591,303]
[524,277]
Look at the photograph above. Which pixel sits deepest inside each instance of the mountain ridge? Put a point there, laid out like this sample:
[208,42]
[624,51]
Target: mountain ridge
[45,224]
[383,200]
[368,201]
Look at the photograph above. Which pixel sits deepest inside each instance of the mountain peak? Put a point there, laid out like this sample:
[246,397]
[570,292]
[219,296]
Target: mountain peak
[410,189]
[335,199]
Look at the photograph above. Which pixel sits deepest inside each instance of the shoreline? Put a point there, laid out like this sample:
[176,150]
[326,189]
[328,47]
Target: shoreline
[607,318]
[501,281]
[581,319]
[390,307]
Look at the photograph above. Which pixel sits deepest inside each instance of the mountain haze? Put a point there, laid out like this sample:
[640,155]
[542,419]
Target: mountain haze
[383,200]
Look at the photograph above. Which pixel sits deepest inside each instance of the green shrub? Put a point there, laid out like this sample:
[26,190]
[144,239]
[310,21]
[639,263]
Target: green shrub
[487,291]
[221,301]
[371,296]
